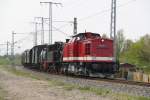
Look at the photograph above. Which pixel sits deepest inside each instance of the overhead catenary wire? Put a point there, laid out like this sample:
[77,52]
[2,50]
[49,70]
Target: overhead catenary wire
[82,19]
[95,14]
[76,4]
[50,18]
[98,13]
[104,11]
[59,30]
[22,39]
[87,17]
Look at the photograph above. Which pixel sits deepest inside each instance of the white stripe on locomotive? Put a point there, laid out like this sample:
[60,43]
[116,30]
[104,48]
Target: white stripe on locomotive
[88,58]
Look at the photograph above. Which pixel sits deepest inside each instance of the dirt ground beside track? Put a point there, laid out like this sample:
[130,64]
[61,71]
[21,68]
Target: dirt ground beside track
[24,88]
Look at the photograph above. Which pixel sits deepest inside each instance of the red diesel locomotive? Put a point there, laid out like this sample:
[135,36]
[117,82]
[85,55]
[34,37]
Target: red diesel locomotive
[85,54]
[89,54]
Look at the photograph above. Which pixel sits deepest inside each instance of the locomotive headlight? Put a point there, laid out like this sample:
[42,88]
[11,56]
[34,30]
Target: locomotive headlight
[102,40]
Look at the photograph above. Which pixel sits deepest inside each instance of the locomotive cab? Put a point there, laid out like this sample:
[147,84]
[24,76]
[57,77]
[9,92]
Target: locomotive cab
[83,36]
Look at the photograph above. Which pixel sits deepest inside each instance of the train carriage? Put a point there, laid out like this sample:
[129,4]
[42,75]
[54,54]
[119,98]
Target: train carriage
[51,57]
[35,55]
[26,59]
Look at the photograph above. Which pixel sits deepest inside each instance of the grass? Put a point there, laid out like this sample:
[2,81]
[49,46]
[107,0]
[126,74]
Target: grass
[146,69]
[18,72]
[4,61]
[7,60]
[69,87]
[128,97]
[3,93]
[97,91]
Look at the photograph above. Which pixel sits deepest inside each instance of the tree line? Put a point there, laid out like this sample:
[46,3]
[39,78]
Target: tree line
[134,52]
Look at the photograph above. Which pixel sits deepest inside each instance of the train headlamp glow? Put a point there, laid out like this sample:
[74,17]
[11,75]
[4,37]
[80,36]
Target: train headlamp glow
[102,40]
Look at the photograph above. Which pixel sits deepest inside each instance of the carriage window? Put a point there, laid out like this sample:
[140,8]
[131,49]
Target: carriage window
[87,49]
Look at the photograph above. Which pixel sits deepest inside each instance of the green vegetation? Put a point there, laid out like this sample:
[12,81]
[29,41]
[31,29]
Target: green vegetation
[137,52]
[2,93]
[128,97]
[4,60]
[98,91]
[14,71]
[69,87]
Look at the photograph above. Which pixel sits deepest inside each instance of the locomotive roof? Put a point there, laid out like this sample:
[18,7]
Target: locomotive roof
[39,46]
[81,34]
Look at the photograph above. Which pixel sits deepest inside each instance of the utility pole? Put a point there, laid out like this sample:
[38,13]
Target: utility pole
[35,35]
[7,48]
[42,33]
[75,26]
[113,19]
[113,28]
[50,18]
[35,42]
[12,48]
[42,28]
[7,45]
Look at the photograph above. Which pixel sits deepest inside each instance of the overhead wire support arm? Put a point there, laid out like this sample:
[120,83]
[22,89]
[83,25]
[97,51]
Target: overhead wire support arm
[105,10]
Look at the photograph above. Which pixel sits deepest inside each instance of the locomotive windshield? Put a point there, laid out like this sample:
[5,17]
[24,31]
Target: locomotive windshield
[82,36]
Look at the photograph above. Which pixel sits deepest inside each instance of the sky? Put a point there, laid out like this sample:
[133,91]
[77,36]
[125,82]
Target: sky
[133,16]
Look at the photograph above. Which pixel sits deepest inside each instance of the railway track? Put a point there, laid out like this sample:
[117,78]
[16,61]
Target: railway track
[115,80]
[129,82]
[115,85]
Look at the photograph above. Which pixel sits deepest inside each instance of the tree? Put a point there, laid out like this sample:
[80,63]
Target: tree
[144,53]
[127,44]
[120,42]
[137,52]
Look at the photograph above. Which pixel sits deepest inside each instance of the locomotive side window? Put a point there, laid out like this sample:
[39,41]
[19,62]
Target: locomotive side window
[72,40]
[87,49]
